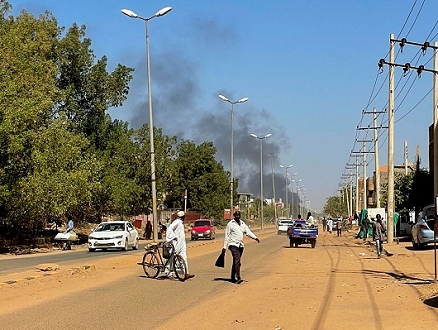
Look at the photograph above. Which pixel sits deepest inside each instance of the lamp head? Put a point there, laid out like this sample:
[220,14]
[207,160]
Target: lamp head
[163,11]
[129,13]
[243,100]
[223,98]
[267,135]
[253,135]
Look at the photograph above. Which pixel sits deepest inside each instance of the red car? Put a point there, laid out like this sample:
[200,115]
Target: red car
[203,228]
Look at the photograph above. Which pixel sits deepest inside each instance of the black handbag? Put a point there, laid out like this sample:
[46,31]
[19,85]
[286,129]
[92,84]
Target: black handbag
[220,261]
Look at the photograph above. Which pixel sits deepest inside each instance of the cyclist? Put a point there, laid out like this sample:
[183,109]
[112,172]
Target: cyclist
[175,233]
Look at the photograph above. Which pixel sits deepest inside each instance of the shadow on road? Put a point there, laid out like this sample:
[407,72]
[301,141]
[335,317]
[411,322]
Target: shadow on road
[223,279]
[432,302]
[401,277]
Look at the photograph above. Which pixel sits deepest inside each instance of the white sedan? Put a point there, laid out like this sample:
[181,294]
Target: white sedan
[113,235]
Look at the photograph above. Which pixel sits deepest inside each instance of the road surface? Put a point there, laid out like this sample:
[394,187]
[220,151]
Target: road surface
[338,285]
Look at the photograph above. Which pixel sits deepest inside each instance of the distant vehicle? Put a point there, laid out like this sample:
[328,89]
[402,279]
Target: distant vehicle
[283,225]
[405,223]
[113,235]
[203,228]
[422,231]
[302,233]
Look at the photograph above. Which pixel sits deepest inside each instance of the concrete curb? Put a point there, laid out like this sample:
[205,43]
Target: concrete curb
[30,278]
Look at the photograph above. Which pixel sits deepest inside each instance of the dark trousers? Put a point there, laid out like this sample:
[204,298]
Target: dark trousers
[236,252]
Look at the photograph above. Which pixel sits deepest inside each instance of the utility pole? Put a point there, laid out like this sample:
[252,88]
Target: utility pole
[405,156]
[356,198]
[364,175]
[376,159]
[390,206]
[406,68]
[364,152]
[376,153]
[351,192]
[435,149]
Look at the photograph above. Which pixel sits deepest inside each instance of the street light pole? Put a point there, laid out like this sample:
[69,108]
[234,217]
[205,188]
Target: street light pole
[298,193]
[286,203]
[302,193]
[261,174]
[292,197]
[273,185]
[232,148]
[131,14]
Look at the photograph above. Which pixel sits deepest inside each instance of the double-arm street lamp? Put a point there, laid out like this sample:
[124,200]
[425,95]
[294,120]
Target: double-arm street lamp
[232,147]
[286,203]
[261,138]
[131,14]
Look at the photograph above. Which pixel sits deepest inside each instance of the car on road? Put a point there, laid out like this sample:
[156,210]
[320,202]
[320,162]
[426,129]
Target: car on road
[203,228]
[283,225]
[113,235]
[422,231]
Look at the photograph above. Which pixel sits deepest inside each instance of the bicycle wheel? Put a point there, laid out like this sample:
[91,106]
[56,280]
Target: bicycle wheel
[150,264]
[180,268]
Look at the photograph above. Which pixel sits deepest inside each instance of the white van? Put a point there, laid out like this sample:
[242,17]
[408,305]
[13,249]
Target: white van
[283,225]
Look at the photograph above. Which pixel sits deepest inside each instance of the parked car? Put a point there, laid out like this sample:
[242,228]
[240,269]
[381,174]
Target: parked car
[422,231]
[283,225]
[203,228]
[113,235]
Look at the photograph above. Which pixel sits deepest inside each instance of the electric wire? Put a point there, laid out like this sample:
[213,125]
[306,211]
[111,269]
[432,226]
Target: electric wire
[373,96]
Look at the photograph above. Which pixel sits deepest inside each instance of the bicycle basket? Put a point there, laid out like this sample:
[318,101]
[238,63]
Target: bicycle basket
[167,248]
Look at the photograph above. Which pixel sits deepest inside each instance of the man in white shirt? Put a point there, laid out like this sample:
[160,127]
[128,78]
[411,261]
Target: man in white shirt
[175,233]
[309,219]
[234,241]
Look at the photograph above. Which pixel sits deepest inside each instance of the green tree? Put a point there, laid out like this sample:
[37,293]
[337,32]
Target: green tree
[89,90]
[27,94]
[49,84]
[335,206]
[63,177]
[412,191]
[204,178]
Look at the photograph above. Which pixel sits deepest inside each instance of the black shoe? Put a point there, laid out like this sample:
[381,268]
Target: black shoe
[188,276]
[239,280]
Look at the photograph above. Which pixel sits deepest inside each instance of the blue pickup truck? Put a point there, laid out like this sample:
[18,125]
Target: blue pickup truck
[302,233]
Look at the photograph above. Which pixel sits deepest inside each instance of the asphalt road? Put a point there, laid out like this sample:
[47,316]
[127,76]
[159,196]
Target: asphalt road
[135,301]
[26,262]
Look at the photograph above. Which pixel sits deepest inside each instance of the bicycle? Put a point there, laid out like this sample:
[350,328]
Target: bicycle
[154,262]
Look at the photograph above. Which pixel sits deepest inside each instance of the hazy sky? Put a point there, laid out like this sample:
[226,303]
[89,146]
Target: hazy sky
[309,69]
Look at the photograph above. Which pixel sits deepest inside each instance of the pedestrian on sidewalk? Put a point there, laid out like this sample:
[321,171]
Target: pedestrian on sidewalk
[148,230]
[339,227]
[324,224]
[330,225]
[366,227]
[234,242]
[379,231]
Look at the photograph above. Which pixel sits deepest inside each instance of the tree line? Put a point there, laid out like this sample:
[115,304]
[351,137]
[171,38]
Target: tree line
[411,192]
[61,154]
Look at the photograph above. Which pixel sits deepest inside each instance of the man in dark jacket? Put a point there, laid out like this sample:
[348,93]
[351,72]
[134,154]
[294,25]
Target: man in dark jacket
[379,231]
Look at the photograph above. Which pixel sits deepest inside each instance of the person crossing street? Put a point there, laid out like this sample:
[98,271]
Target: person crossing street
[234,242]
